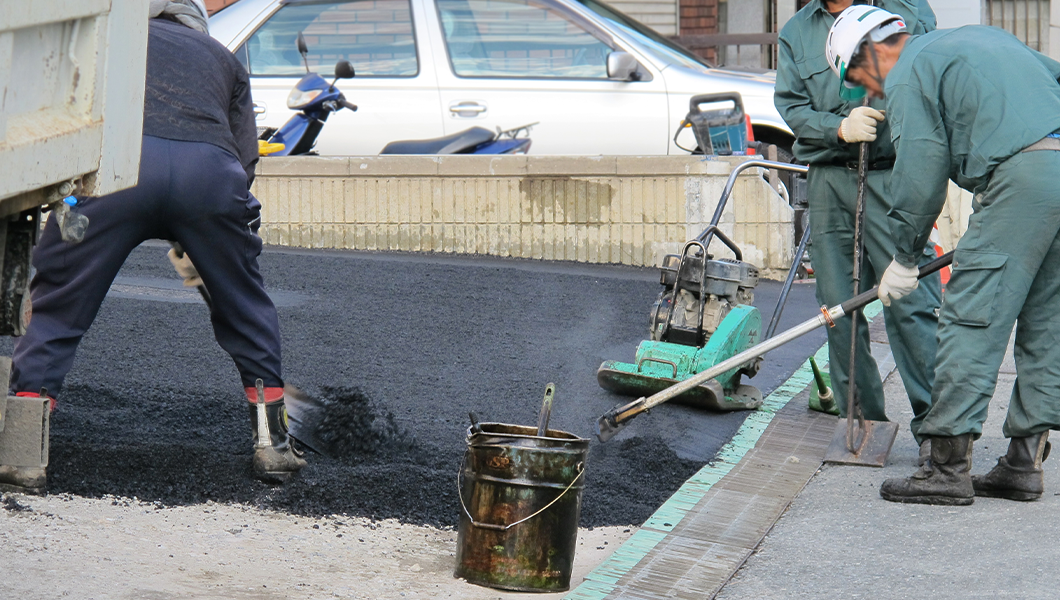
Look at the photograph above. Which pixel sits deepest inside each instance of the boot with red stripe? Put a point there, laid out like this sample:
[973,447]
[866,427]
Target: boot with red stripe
[276,458]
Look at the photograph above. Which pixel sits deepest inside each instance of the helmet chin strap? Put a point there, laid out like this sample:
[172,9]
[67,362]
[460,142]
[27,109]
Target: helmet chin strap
[876,64]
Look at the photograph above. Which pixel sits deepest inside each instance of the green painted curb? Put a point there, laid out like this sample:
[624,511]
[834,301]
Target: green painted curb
[603,580]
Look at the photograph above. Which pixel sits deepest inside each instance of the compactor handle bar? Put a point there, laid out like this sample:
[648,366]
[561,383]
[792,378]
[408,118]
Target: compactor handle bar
[708,234]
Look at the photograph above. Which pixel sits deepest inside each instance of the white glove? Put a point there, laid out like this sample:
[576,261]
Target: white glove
[898,282]
[185,268]
[860,126]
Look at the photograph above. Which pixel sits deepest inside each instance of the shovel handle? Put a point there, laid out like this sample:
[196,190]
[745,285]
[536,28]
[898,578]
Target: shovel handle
[546,410]
[865,298]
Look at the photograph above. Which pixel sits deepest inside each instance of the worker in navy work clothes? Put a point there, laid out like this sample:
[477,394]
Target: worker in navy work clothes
[196,166]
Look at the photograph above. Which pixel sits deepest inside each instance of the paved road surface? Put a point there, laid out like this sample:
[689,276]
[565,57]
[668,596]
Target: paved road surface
[408,344]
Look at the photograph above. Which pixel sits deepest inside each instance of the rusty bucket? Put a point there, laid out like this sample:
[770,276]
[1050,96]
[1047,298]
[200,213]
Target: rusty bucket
[521,497]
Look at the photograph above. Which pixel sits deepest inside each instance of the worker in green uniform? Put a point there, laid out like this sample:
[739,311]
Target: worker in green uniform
[977,106]
[829,130]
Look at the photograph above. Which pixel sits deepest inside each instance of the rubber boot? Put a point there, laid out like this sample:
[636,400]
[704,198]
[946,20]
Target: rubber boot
[944,479]
[276,457]
[1018,474]
[23,480]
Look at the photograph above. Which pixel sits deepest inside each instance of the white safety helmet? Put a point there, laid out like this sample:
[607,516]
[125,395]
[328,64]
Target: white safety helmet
[850,29]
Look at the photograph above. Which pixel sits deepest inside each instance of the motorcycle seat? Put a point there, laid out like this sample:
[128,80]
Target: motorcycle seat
[461,142]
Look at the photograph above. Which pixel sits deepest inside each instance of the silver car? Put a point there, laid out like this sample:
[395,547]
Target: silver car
[593,80]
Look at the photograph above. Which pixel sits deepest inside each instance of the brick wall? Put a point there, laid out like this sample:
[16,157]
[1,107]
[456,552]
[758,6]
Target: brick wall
[699,17]
[216,5]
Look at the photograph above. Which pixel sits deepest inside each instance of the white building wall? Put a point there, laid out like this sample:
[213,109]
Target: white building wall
[1054,31]
[660,15]
[745,16]
[955,13]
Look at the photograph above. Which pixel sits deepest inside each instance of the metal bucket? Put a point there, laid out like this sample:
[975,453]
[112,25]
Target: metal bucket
[521,497]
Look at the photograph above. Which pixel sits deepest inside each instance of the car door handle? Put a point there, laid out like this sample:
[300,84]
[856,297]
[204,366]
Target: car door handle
[259,109]
[467,109]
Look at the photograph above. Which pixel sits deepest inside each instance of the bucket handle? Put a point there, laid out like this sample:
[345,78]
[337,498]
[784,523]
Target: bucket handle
[495,527]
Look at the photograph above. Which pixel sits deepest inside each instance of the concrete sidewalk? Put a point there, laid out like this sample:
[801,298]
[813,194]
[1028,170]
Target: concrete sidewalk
[839,539]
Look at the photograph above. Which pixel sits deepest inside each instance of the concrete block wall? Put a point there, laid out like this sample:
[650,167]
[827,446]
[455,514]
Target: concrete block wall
[626,210]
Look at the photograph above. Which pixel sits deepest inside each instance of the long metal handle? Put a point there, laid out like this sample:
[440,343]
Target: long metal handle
[643,404]
[614,420]
[779,310]
[853,406]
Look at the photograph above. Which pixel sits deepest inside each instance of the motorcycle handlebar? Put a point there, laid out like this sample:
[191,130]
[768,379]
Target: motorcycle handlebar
[346,104]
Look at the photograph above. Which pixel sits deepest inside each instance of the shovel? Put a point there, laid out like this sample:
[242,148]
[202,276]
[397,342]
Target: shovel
[303,411]
[857,440]
[304,414]
[617,418]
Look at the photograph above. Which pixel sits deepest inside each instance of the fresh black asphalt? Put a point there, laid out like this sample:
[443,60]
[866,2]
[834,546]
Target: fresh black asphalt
[406,345]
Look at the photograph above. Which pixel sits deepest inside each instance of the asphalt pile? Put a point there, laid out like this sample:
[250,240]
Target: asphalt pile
[351,426]
[399,348]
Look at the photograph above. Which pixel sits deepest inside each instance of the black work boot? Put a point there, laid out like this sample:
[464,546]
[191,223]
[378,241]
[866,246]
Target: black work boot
[276,458]
[1018,474]
[925,453]
[944,479]
[23,480]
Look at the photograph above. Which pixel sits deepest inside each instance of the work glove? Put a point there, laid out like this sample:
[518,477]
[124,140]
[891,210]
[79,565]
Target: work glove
[860,126]
[185,268]
[898,282]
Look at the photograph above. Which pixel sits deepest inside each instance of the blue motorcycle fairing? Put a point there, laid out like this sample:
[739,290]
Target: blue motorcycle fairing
[292,133]
[312,81]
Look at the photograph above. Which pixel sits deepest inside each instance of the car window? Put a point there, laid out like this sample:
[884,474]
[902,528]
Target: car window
[519,38]
[671,52]
[376,36]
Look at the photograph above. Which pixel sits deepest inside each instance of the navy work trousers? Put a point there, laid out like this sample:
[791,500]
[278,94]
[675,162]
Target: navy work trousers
[189,192]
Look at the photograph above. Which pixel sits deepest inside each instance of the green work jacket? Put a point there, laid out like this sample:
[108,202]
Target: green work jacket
[807,91]
[961,102]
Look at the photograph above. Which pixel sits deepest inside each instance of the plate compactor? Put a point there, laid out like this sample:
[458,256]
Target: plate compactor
[702,317]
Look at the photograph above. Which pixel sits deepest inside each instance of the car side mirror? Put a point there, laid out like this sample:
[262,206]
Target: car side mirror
[622,66]
[343,70]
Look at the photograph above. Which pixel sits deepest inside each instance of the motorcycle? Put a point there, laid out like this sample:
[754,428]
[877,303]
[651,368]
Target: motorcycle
[316,99]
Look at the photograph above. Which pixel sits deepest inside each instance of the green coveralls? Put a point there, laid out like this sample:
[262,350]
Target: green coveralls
[807,96]
[963,104]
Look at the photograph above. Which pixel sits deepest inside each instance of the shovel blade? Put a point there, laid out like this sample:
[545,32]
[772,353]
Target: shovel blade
[304,414]
[873,450]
